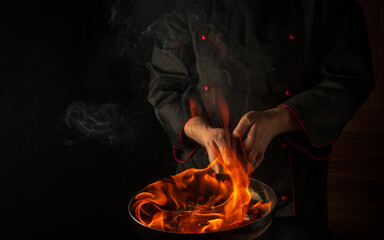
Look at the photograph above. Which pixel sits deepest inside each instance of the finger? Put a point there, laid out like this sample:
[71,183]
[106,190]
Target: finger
[252,156]
[212,161]
[213,148]
[215,167]
[244,125]
[220,143]
[214,154]
[259,159]
[250,140]
[222,146]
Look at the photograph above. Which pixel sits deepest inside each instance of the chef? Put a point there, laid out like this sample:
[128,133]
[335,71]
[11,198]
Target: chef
[292,74]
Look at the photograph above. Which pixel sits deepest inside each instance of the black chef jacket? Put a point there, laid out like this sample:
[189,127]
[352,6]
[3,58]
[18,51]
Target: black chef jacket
[311,57]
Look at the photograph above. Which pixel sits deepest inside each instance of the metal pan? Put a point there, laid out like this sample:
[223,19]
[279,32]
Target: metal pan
[259,191]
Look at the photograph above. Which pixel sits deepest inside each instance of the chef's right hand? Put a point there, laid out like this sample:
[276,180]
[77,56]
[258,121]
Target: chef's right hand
[216,146]
[213,139]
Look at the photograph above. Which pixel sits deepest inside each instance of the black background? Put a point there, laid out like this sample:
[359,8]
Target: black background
[52,190]
[49,189]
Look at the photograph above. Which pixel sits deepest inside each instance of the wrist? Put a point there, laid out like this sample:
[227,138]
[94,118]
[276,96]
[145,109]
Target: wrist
[197,129]
[283,120]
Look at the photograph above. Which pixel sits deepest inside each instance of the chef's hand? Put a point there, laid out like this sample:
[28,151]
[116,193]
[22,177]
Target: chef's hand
[213,139]
[257,129]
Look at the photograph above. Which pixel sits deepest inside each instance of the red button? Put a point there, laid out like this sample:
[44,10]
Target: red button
[206,88]
[284,198]
[288,93]
[292,37]
[283,145]
[203,36]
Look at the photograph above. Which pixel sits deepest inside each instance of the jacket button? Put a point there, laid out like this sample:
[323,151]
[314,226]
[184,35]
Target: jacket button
[292,37]
[284,198]
[206,88]
[283,145]
[288,93]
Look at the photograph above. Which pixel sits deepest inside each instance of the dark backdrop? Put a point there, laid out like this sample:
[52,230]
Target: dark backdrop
[48,188]
[52,190]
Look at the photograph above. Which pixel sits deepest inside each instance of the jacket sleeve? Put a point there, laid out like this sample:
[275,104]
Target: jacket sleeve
[346,80]
[173,79]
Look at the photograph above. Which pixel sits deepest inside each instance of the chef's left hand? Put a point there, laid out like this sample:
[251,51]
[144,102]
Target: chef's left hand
[256,129]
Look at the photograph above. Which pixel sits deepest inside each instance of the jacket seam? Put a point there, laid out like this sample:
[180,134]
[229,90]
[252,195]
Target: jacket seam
[305,130]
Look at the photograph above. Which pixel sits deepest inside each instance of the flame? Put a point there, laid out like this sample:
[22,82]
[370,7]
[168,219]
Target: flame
[195,201]
[194,107]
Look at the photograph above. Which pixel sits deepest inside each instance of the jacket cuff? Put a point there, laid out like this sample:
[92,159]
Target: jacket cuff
[302,140]
[177,152]
[183,139]
[184,144]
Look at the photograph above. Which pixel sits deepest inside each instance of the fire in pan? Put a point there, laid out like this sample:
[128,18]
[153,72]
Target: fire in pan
[200,204]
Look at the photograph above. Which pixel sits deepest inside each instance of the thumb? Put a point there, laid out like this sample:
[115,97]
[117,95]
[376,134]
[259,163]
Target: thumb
[242,128]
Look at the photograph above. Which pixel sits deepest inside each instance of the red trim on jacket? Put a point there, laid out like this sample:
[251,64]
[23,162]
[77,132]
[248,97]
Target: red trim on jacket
[306,152]
[174,154]
[182,129]
[305,130]
[181,142]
